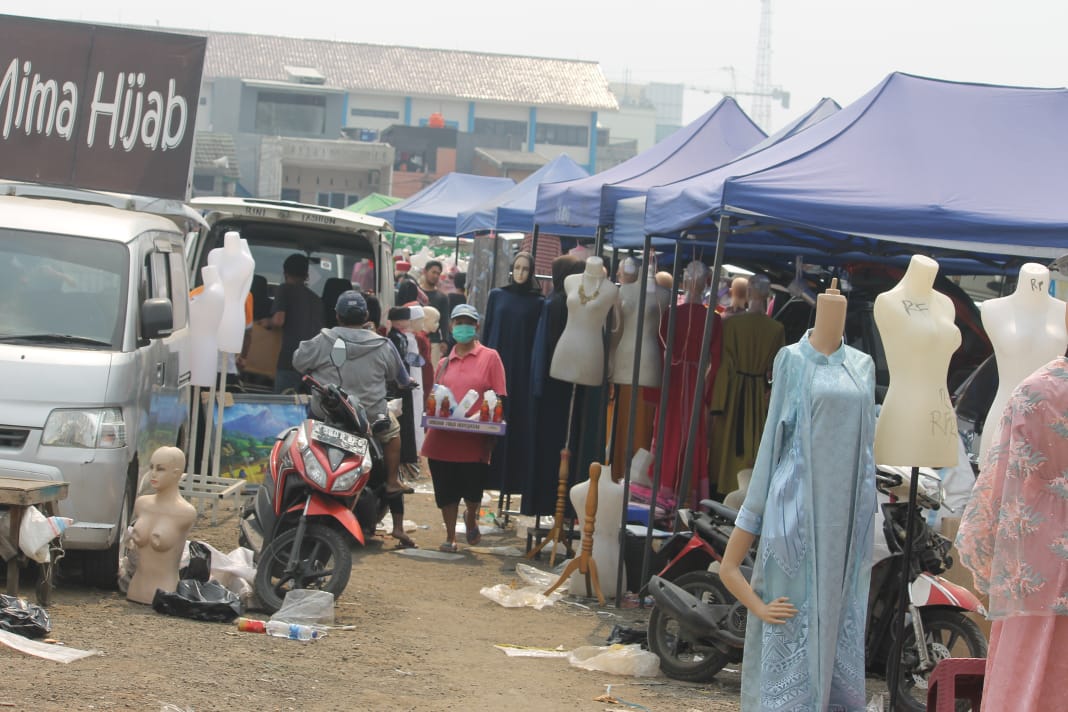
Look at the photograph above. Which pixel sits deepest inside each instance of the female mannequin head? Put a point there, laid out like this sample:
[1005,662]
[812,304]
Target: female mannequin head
[522,277]
[663,279]
[417,321]
[166,469]
[693,281]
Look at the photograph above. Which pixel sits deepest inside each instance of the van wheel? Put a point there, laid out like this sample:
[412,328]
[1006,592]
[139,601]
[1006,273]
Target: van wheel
[100,569]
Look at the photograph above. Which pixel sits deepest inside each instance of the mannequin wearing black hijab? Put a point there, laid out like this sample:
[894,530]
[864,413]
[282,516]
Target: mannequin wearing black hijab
[509,327]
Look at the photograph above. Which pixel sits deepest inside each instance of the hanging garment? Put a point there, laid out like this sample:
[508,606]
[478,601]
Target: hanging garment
[509,327]
[409,452]
[685,360]
[740,394]
[1014,538]
[812,501]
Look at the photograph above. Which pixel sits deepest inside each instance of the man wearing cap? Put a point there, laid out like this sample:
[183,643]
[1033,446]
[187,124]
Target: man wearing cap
[371,361]
[459,461]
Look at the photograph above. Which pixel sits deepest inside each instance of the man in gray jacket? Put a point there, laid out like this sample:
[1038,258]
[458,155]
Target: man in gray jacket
[371,361]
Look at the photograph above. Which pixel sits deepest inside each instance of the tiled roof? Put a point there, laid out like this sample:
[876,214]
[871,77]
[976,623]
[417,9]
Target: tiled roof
[209,148]
[411,71]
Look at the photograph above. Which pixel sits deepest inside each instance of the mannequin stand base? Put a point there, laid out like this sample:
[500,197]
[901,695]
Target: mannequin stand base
[584,564]
[536,535]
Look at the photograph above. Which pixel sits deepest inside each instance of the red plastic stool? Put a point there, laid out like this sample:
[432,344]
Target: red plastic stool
[954,678]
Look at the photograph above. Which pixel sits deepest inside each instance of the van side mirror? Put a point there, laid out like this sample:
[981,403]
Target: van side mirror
[157,318]
[338,353]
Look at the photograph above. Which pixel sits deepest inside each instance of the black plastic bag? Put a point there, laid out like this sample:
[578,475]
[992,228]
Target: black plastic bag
[628,636]
[199,566]
[23,618]
[199,601]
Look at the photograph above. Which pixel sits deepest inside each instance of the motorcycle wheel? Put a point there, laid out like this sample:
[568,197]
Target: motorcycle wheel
[682,659]
[325,564]
[950,634]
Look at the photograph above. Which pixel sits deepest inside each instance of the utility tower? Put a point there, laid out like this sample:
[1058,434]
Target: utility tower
[762,92]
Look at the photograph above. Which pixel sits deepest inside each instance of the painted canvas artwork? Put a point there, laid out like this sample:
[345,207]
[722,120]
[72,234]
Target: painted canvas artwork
[250,427]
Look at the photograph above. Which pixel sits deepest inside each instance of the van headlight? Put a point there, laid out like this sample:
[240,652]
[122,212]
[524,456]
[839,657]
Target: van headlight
[90,428]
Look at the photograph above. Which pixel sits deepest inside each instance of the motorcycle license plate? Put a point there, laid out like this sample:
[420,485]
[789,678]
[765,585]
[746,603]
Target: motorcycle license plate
[339,438]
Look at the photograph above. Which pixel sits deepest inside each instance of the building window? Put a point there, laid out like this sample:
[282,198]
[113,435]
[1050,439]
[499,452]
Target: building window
[204,184]
[336,200]
[291,194]
[562,135]
[281,113]
[375,113]
[501,127]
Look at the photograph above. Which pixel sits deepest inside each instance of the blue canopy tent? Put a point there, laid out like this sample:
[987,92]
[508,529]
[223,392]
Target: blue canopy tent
[513,210]
[719,135]
[945,165]
[434,209]
[629,227]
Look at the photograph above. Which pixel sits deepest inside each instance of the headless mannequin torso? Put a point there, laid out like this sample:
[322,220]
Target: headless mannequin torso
[579,354]
[623,358]
[1027,331]
[917,425]
[205,314]
[161,523]
[235,266]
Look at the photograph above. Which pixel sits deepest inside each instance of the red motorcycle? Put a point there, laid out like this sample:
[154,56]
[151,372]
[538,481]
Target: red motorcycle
[315,491]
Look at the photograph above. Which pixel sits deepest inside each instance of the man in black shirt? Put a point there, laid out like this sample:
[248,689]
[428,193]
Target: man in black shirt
[429,284]
[298,312]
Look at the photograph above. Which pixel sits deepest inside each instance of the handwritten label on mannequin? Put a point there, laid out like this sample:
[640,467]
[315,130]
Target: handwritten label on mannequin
[911,306]
[943,420]
[1038,285]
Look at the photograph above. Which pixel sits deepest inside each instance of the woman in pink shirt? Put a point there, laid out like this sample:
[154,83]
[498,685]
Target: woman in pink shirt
[459,462]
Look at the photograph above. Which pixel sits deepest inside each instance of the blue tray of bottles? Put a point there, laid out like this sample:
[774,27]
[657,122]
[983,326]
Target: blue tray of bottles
[464,425]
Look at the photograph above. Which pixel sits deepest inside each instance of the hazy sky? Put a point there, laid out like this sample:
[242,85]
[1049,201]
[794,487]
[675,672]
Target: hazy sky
[834,48]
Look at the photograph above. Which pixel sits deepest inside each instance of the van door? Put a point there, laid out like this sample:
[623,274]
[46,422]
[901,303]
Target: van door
[166,361]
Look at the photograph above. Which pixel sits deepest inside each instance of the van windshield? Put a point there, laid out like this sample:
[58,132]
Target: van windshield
[62,290]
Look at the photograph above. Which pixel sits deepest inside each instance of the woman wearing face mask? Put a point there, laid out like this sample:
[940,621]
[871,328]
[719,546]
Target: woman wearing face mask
[459,462]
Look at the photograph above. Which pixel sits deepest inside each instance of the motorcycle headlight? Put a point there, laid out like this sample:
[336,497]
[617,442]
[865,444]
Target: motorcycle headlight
[313,469]
[90,428]
[346,481]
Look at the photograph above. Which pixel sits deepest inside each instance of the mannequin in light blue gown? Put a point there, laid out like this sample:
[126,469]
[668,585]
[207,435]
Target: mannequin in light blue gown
[811,501]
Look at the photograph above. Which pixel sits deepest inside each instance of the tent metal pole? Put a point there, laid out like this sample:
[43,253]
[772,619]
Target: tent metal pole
[598,241]
[633,414]
[493,262]
[702,366]
[665,386]
[534,249]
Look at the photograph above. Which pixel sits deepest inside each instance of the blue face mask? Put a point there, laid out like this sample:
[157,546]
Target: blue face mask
[463,333]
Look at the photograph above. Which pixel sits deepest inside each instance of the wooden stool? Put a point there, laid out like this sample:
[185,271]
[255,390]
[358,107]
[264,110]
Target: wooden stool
[954,678]
[17,495]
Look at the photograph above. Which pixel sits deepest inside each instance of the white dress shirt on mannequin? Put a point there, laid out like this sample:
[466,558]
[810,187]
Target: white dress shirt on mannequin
[917,425]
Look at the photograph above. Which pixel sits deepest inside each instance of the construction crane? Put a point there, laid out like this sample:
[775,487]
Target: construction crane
[762,79]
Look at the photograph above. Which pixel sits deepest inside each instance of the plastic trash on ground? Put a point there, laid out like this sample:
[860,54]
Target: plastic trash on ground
[199,601]
[526,597]
[306,606]
[628,660]
[36,531]
[875,704]
[523,651]
[535,576]
[21,617]
[56,653]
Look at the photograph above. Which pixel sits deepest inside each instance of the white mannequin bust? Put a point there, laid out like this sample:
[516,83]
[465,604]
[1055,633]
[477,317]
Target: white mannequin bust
[431,320]
[917,425]
[1026,329]
[235,267]
[606,531]
[161,522]
[579,355]
[205,313]
[656,301]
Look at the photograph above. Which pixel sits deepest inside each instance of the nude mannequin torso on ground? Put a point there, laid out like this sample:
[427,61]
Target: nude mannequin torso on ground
[161,522]
[917,425]
[1027,331]
[579,355]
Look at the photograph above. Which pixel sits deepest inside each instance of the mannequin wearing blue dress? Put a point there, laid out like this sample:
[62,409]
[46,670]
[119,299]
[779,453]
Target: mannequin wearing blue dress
[811,500]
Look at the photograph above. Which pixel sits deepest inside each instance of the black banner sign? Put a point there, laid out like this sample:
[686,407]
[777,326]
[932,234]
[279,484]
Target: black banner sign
[104,108]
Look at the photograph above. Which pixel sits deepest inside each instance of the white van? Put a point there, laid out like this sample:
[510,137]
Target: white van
[94,350]
[345,249]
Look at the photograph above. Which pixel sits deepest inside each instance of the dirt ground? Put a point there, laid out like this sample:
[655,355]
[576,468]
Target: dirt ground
[424,640]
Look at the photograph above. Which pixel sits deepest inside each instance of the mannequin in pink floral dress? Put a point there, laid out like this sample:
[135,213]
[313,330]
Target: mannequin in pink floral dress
[1014,539]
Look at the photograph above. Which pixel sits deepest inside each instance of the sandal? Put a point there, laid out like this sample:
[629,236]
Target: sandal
[474,536]
[449,547]
[404,543]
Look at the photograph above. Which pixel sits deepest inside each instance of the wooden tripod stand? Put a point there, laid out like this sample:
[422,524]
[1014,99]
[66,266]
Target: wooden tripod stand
[584,562]
[556,533]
